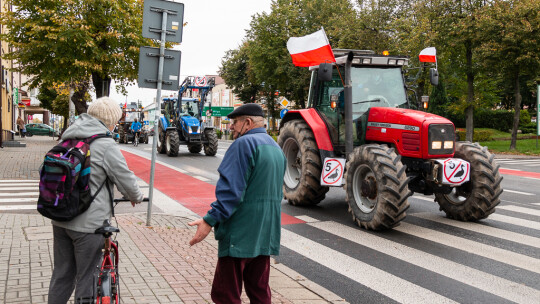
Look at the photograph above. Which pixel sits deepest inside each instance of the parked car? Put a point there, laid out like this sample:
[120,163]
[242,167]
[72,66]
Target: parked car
[40,129]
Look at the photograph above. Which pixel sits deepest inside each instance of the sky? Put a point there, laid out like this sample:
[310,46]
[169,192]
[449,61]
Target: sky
[213,27]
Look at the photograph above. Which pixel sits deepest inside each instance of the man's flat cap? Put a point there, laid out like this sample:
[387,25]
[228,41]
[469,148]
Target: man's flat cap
[249,109]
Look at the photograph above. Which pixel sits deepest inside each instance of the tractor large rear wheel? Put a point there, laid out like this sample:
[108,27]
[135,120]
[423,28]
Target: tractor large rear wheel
[172,143]
[477,198]
[376,187]
[302,180]
[210,149]
[161,149]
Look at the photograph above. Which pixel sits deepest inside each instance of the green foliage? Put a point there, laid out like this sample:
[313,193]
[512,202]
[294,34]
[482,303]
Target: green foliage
[219,133]
[65,41]
[478,135]
[495,119]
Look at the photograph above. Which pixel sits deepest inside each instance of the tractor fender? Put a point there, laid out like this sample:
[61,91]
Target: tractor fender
[164,122]
[315,122]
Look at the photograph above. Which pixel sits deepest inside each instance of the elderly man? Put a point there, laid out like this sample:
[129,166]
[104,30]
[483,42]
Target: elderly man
[246,215]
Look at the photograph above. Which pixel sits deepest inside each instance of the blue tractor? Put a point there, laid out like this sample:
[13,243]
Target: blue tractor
[181,122]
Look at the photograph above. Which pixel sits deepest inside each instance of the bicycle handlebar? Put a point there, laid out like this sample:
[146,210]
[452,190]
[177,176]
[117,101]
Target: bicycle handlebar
[118,200]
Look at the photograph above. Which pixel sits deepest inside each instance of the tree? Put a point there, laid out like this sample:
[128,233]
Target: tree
[73,41]
[236,73]
[513,28]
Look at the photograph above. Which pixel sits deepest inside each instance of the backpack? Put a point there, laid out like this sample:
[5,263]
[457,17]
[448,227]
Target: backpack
[64,177]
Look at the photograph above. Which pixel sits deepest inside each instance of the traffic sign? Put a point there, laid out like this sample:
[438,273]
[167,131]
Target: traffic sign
[200,81]
[148,74]
[284,102]
[283,112]
[153,16]
[218,111]
[332,173]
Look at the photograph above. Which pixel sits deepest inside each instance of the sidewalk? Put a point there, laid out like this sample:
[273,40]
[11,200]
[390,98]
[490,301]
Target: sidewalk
[157,265]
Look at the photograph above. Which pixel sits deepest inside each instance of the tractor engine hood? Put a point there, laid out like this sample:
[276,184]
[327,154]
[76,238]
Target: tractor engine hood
[190,121]
[404,116]
[409,131]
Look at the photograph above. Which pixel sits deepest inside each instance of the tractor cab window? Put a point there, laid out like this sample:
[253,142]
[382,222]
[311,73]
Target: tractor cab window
[377,87]
[190,108]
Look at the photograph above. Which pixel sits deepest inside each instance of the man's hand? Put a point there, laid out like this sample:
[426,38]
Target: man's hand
[203,229]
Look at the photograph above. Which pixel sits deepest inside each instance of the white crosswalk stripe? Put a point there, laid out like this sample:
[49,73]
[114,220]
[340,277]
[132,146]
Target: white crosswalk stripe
[500,233]
[523,210]
[467,275]
[390,285]
[426,252]
[18,195]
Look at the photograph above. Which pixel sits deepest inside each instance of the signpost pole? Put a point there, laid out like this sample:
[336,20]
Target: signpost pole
[156,118]
[537,114]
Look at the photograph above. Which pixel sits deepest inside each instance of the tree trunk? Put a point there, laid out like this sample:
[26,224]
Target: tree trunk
[517,108]
[78,98]
[101,84]
[469,112]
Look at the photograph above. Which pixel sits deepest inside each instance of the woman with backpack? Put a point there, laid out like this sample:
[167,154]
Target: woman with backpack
[76,248]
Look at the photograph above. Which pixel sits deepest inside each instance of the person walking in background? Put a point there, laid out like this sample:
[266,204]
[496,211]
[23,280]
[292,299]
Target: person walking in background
[246,215]
[76,248]
[21,126]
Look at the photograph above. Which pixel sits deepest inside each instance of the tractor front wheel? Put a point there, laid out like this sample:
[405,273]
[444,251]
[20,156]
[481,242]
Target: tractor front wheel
[302,180]
[172,143]
[477,198]
[195,148]
[210,149]
[376,187]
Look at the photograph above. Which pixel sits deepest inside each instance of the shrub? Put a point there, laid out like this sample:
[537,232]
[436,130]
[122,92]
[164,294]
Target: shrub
[478,135]
[528,128]
[219,133]
[501,120]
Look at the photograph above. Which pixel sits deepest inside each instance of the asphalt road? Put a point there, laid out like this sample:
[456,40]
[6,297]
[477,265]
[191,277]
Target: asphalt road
[427,259]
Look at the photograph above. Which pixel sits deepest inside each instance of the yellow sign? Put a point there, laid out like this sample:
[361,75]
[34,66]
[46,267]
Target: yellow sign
[284,102]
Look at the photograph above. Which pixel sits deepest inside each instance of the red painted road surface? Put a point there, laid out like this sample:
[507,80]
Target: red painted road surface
[197,195]
[192,193]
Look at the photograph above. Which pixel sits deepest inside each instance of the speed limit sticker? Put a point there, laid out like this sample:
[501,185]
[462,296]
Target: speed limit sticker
[332,173]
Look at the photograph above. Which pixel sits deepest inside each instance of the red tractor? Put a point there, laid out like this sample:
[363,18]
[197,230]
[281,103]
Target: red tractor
[358,130]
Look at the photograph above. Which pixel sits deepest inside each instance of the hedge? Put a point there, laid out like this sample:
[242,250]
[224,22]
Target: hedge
[501,120]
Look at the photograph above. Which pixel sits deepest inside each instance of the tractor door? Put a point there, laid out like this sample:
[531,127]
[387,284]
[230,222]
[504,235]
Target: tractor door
[329,100]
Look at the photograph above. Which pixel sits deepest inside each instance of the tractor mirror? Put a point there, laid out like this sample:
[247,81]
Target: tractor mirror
[434,76]
[325,72]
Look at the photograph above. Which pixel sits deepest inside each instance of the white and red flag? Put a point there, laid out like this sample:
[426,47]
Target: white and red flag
[310,50]
[428,55]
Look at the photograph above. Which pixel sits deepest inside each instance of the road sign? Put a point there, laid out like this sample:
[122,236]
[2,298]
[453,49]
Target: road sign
[152,18]
[283,112]
[200,81]
[284,102]
[332,173]
[218,111]
[148,73]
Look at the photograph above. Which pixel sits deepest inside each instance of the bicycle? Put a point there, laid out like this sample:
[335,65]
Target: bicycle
[108,278]
[136,139]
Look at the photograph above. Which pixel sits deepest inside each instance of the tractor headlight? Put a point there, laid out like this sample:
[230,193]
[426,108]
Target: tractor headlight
[441,139]
[189,130]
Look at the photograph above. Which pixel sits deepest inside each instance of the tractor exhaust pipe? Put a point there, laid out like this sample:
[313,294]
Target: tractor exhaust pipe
[348,106]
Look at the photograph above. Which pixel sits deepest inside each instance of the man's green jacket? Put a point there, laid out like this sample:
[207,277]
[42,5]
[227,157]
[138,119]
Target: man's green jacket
[246,215]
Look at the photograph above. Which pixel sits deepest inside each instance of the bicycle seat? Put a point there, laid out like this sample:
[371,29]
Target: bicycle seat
[107,228]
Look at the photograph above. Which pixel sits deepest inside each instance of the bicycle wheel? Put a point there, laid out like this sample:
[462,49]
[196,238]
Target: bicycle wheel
[108,283]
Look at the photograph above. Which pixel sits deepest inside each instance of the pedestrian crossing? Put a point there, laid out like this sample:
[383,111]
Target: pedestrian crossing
[19,195]
[428,258]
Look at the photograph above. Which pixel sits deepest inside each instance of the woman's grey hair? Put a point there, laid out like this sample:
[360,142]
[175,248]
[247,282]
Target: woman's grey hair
[106,110]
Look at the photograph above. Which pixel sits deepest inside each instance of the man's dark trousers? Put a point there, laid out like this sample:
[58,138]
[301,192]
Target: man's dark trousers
[230,272]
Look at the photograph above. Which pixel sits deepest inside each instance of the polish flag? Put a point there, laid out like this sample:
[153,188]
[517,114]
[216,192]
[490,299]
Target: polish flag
[310,50]
[428,55]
